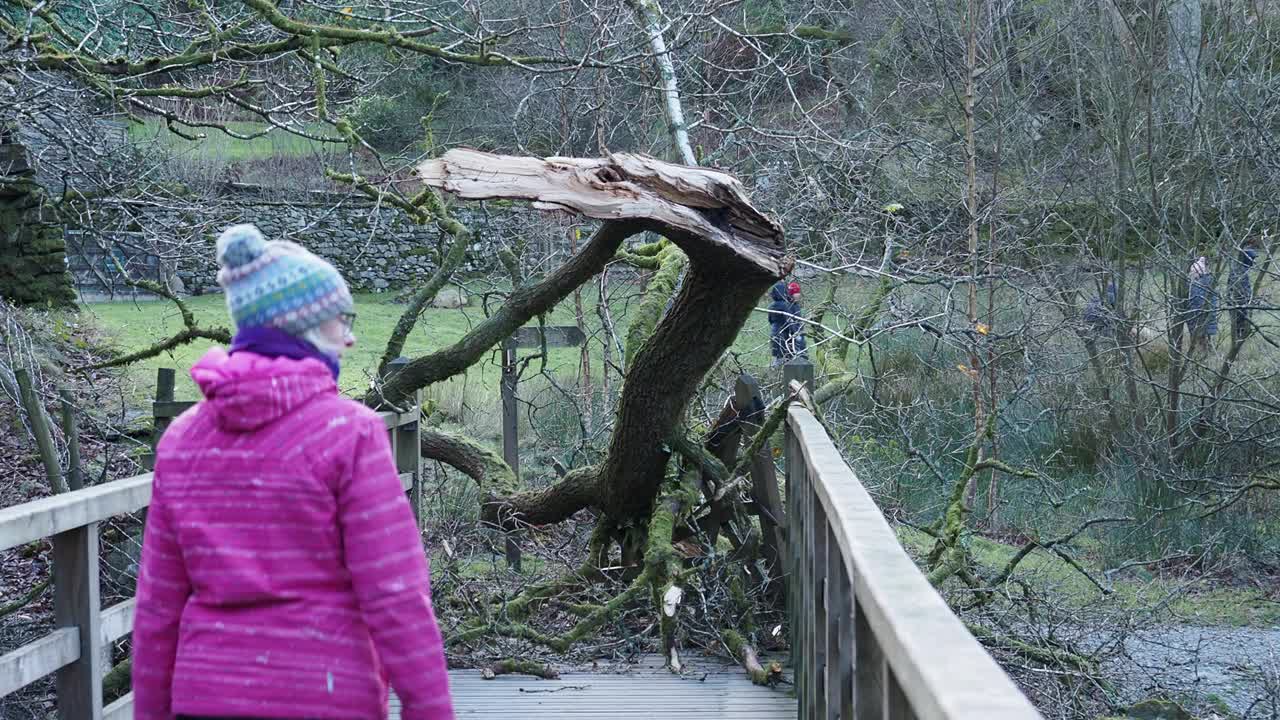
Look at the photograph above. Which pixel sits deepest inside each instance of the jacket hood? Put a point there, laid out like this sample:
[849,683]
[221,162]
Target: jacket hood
[246,391]
[779,293]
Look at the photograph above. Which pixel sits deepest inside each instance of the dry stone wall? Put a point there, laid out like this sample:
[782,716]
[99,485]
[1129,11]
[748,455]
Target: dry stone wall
[376,248]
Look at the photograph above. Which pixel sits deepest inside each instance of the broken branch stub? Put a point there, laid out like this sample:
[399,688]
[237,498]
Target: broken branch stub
[709,207]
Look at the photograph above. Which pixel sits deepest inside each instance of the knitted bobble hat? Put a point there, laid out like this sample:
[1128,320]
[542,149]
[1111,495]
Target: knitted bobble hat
[277,284]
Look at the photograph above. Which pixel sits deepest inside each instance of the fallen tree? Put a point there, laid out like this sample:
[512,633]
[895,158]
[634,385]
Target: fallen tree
[718,256]
[734,253]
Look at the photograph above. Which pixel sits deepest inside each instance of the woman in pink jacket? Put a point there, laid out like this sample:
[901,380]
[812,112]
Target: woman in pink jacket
[282,573]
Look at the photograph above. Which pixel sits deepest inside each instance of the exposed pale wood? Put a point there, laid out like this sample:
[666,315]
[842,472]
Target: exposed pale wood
[942,670]
[38,659]
[77,603]
[121,709]
[117,621]
[695,201]
[21,524]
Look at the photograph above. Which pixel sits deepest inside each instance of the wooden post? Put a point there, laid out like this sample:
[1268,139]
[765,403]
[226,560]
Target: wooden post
[165,381]
[406,443]
[764,483]
[819,653]
[510,434]
[71,433]
[839,634]
[40,428]
[797,487]
[798,369]
[869,668]
[537,337]
[76,603]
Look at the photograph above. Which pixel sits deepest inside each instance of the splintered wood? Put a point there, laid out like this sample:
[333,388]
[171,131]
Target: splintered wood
[706,204]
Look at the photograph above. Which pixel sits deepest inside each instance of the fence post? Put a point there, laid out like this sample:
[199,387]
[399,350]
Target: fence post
[407,444]
[796,487]
[71,432]
[798,369]
[77,603]
[764,483]
[165,379]
[40,429]
[510,435]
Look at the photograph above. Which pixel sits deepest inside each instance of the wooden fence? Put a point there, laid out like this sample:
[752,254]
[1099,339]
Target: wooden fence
[872,639]
[74,650]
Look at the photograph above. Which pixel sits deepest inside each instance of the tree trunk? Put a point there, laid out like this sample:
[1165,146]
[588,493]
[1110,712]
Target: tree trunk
[734,253]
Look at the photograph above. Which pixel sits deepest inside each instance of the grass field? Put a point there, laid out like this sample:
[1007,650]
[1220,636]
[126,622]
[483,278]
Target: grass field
[137,325]
[219,146]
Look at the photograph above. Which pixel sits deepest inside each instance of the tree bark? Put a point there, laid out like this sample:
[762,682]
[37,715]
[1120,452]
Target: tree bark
[735,253]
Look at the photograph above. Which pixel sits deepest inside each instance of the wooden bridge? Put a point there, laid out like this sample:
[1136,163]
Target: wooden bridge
[872,639]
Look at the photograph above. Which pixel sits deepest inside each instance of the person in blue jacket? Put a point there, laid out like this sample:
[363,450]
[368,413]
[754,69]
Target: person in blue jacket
[786,336]
[1241,291]
[1099,313]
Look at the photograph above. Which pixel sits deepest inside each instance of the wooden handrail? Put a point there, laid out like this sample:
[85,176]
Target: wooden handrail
[73,651]
[867,624]
[46,517]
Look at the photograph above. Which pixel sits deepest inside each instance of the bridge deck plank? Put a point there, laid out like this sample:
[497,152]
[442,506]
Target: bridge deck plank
[709,689]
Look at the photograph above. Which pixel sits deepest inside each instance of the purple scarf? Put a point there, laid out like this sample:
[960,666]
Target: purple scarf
[271,342]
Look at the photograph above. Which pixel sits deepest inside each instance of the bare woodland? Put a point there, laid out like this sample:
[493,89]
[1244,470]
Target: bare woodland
[996,207]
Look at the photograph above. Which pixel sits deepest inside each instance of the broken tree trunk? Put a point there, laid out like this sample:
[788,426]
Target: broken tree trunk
[735,253]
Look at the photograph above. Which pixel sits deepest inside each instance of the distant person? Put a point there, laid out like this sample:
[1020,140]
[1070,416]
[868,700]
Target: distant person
[1202,306]
[1099,313]
[282,574]
[1241,291]
[786,335]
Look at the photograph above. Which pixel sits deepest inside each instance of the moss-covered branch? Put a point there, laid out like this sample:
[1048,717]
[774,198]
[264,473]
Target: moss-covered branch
[657,294]
[192,332]
[392,38]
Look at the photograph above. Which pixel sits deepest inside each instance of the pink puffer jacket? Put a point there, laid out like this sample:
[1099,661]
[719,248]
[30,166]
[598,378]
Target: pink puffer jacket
[282,575]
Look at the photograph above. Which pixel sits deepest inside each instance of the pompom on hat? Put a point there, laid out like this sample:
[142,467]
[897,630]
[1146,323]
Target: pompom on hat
[277,284]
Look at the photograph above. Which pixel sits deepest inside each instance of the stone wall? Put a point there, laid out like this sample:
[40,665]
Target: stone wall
[376,248]
[33,267]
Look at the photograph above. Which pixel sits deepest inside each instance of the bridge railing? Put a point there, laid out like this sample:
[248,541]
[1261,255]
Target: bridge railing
[872,639]
[73,651]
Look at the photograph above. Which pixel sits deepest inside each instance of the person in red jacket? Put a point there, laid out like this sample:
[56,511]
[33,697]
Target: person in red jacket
[282,574]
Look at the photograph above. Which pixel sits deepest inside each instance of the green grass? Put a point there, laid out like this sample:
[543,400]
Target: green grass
[218,146]
[1203,602]
[134,326]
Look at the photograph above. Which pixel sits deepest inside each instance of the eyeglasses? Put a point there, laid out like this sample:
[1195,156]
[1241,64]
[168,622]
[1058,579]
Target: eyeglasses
[348,321]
